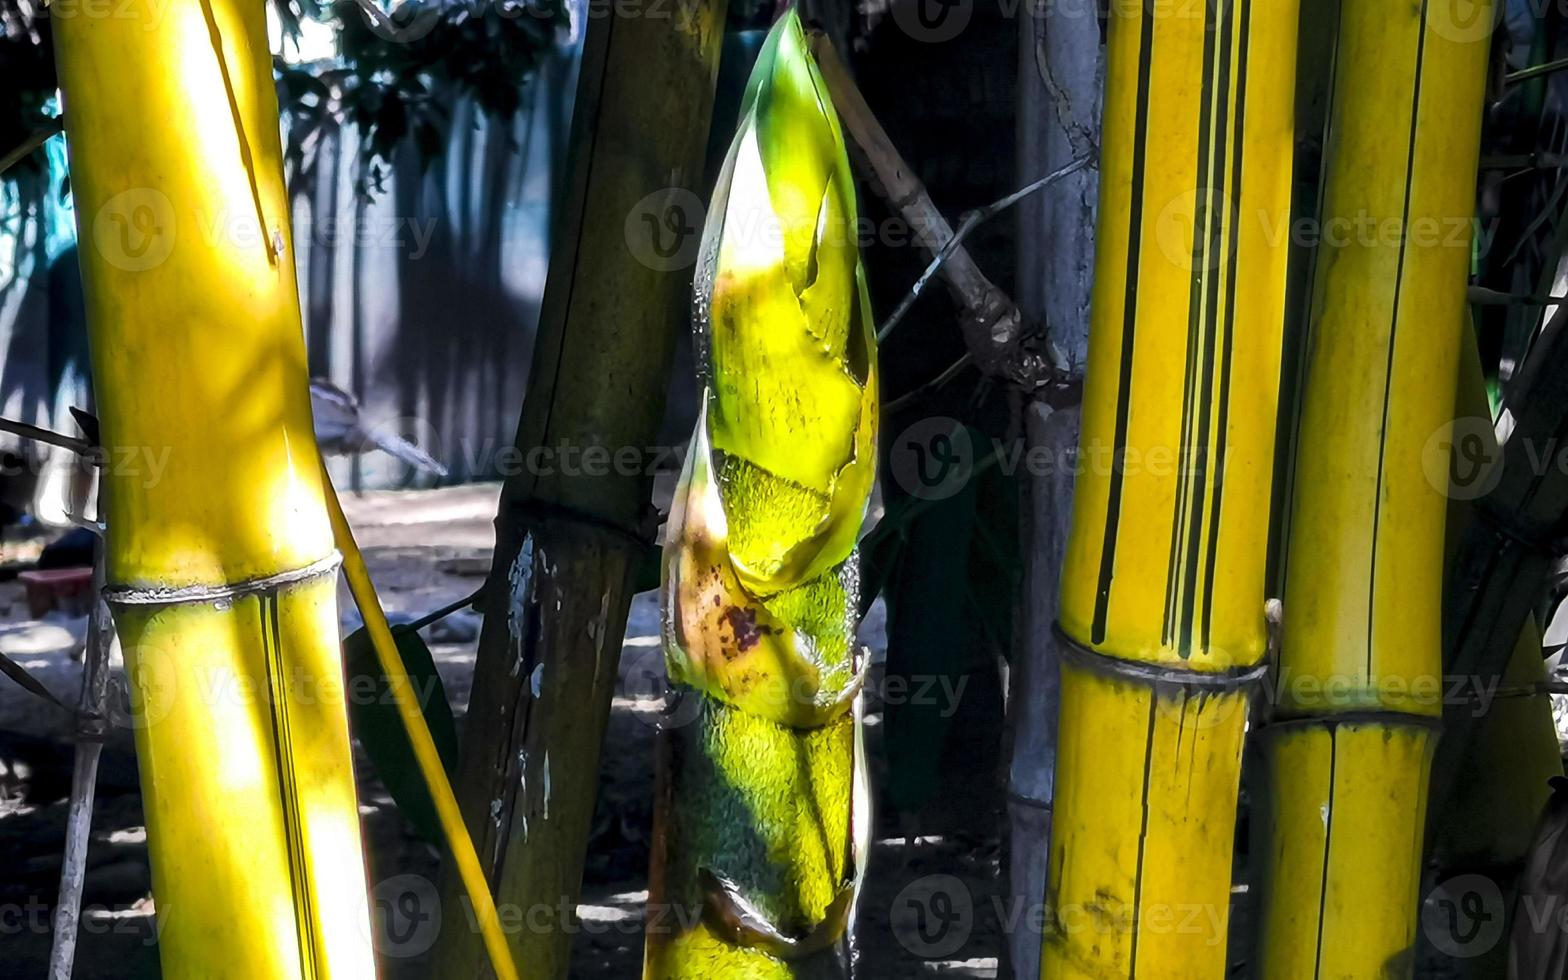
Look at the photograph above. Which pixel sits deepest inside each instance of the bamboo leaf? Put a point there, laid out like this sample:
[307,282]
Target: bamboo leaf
[374,720]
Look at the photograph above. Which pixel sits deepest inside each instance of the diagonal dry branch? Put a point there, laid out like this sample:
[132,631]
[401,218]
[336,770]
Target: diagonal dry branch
[994,331]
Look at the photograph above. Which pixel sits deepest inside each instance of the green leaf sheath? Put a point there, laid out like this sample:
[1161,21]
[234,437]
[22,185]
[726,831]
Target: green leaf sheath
[792,393]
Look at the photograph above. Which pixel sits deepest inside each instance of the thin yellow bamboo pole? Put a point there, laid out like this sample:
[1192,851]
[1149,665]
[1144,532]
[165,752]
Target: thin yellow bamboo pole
[425,754]
[1162,602]
[220,566]
[1360,688]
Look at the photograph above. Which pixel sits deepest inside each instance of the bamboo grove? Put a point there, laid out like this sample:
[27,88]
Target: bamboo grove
[1182,659]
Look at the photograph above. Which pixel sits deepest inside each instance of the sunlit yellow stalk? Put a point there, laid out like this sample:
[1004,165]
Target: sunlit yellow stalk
[221,569]
[1162,601]
[1350,747]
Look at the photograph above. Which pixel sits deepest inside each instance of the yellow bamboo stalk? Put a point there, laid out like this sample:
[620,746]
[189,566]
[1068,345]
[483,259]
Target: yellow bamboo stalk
[1360,670]
[220,558]
[1162,599]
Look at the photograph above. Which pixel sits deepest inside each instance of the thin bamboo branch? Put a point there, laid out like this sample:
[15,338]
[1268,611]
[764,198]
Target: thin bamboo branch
[1481,296]
[1524,161]
[32,432]
[1535,71]
[972,220]
[993,328]
[1543,689]
[91,729]
[948,373]
[28,682]
[30,144]
[447,610]
[430,766]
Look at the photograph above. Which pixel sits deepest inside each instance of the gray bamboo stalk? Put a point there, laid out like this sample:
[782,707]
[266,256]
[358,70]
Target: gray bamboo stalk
[92,727]
[1060,81]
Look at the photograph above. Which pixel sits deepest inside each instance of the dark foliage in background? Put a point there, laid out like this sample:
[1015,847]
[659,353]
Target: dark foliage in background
[393,77]
[1524,187]
[27,68]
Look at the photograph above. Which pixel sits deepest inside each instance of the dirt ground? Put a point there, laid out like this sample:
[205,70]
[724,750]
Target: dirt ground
[426,549]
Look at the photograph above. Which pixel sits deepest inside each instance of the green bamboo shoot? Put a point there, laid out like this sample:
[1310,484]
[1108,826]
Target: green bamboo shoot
[760,810]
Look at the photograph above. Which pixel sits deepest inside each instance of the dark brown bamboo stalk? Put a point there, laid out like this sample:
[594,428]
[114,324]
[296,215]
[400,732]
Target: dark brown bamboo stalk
[575,521]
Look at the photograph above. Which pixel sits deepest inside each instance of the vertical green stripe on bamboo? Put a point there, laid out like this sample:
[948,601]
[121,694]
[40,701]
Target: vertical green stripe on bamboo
[1162,596]
[1359,678]
[1185,335]
[220,559]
